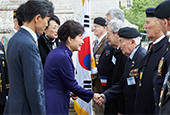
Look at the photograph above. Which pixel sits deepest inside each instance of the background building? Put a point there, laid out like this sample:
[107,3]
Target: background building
[125,3]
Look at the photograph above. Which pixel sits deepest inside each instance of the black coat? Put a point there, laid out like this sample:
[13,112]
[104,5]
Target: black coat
[164,101]
[45,47]
[4,83]
[147,95]
[129,91]
[113,72]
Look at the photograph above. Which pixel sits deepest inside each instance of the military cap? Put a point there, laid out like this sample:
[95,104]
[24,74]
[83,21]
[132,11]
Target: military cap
[150,12]
[14,13]
[99,20]
[128,33]
[163,10]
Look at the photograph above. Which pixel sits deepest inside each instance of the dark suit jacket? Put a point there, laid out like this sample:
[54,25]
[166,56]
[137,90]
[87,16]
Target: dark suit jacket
[44,47]
[122,86]
[147,95]
[97,52]
[26,93]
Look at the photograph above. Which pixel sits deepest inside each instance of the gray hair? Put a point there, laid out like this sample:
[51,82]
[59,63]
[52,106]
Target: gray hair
[137,40]
[116,25]
[116,13]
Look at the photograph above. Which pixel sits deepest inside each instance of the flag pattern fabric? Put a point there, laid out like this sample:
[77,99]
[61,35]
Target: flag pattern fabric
[83,68]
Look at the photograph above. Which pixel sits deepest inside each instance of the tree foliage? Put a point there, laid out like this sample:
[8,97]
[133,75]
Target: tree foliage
[136,14]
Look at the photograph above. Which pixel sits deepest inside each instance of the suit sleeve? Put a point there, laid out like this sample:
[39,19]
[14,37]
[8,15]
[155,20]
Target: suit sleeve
[33,78]
[66,73]
[113,92]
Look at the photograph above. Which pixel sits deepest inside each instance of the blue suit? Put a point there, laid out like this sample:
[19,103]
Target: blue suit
[59,81]
[26,94]
[129,91]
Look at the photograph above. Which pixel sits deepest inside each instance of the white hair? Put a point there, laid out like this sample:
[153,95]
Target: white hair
[116,25]
[137,40]
[116,13]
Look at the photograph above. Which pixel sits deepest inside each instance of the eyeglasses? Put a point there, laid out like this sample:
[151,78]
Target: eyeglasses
[55,28]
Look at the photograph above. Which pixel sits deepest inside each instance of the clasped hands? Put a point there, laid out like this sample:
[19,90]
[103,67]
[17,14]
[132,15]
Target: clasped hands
[99,98]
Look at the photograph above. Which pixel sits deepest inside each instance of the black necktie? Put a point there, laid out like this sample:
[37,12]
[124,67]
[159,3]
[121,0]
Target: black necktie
[128,64]
[95,45]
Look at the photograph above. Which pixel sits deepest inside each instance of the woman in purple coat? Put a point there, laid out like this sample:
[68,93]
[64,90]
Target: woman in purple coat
[59,71]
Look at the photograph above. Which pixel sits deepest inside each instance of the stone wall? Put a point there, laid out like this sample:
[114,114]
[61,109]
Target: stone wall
[64,9]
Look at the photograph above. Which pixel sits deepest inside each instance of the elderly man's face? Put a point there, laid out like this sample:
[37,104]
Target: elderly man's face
[152,28]
[162,25]
[126,45]
[112,38]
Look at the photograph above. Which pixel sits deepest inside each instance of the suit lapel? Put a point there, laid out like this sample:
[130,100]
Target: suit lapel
[99,45]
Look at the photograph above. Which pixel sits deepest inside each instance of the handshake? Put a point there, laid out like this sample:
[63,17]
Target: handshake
[99,98]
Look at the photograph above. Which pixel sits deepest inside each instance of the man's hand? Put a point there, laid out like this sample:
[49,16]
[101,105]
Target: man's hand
[99,98]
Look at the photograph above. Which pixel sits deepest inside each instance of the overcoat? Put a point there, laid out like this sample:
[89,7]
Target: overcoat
[128,91]
[149,85]
[59,81]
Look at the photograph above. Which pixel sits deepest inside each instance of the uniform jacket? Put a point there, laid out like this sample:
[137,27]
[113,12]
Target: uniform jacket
[4,83]
[59,81]
[165,100]
[164,97]
[5,39]
[113,72]
[44,47]
[97,53]
[26,94]
[129,91]
[147,95]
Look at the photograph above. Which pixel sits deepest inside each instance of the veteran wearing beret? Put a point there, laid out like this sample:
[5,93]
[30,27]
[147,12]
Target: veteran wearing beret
[162,12]
[151,72]
[129,43]
[99,28]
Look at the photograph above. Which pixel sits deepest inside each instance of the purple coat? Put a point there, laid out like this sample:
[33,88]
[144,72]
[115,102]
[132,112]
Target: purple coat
[59,81]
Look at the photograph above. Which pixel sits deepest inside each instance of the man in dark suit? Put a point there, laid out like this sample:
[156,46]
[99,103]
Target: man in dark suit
[111,65]
[162,12]
[48,40]
[150,80]
[26,93]
[99,29]
[129,43]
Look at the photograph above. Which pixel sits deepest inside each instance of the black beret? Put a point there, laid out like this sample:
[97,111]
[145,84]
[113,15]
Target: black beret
[150,12]
[163,10]
[128,33]
[101,21]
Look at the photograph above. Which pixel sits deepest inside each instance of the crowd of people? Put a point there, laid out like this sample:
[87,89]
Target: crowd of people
[38,74]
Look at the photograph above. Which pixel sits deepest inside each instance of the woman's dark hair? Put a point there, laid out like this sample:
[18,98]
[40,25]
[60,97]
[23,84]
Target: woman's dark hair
[69,28]
[55,18]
